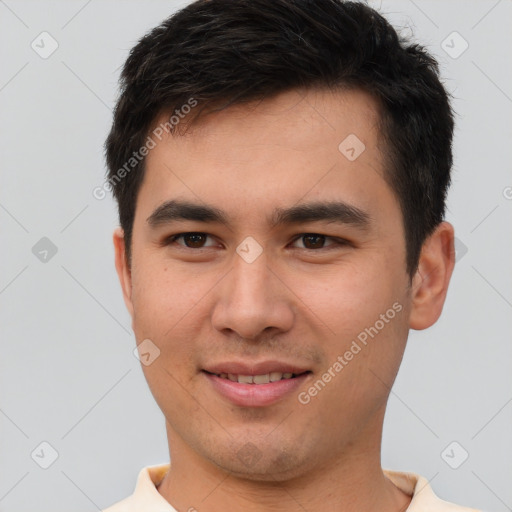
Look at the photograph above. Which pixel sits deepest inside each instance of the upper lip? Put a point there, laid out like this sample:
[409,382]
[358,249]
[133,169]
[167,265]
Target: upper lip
[260,368]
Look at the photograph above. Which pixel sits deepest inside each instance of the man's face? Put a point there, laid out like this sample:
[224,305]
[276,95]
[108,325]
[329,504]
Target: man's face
[292,298]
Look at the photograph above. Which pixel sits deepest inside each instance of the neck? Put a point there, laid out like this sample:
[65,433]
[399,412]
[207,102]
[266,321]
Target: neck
[351,482]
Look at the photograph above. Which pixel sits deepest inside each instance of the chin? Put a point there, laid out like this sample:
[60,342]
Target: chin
[261,463]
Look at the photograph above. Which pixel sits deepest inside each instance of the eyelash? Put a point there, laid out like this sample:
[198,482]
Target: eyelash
[337,241]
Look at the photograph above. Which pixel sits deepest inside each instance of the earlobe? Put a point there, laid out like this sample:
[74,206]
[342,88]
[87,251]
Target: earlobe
[430,283]
[123,269]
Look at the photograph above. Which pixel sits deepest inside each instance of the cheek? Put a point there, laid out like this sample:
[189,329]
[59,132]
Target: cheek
[166,308]
[165,304]
[349,296]
[364,310]
[163,296]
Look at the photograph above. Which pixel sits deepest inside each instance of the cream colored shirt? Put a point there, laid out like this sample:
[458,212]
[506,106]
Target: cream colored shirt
[146,498]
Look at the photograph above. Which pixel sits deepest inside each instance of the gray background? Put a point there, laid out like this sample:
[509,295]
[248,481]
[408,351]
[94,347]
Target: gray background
[68,375]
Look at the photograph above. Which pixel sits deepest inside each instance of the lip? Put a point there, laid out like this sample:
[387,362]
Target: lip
[255,395]
[261,368]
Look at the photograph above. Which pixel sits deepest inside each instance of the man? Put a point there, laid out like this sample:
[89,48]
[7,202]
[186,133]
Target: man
[281,168]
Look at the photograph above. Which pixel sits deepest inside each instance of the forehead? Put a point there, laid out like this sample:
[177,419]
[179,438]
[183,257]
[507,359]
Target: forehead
[302,119]
[318,144]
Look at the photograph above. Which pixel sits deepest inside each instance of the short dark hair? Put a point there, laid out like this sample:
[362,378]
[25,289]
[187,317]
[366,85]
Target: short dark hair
[226,52]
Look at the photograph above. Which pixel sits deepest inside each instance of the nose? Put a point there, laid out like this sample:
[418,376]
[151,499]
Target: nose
[252,299]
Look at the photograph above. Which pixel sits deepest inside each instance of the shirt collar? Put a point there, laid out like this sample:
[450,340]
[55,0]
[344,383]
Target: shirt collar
[423,498]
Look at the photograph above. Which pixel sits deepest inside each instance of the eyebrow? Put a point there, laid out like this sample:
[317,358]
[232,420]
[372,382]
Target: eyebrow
[330,211]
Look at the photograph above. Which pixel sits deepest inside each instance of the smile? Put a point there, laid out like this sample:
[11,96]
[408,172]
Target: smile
[257,379]
[256,390]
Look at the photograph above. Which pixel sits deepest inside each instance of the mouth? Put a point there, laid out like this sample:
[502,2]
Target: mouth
[256,389]
[264,378]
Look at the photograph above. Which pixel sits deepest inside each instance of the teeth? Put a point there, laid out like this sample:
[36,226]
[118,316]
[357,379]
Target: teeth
[261,379]
[256,379]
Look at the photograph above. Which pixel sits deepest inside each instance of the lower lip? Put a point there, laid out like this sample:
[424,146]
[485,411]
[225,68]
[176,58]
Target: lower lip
[255,395]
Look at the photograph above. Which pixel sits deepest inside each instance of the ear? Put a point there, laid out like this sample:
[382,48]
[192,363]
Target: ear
[123,269]
[431,280]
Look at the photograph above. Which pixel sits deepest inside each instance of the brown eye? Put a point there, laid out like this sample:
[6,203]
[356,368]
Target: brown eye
[316,241]
[194,240]
[313,241]
[190,240]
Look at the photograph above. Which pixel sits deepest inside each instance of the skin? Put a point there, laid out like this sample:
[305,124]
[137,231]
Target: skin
[299,301]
